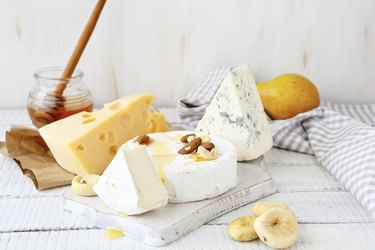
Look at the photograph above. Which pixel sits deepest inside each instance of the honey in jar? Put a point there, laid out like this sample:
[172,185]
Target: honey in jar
[45,105]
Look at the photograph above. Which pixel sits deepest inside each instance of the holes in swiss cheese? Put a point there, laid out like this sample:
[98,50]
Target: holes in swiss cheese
[126,121]
[102,137]
[111,137]
[80,147]
[89,120]
[113,150]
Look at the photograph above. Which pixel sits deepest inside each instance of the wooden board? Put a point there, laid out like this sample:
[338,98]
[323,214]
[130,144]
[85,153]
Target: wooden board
[165,225]
[350,236]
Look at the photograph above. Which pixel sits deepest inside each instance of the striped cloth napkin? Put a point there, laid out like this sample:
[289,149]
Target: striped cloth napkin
[341,136]
[192,107]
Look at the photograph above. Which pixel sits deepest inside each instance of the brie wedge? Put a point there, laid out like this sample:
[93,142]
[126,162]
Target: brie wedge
[130,183]
[186,177]
[236,113]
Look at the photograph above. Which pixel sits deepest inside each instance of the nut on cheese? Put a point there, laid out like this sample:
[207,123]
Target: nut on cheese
[87,142]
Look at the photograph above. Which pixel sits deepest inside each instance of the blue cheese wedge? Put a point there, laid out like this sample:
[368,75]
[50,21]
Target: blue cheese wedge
[236,113]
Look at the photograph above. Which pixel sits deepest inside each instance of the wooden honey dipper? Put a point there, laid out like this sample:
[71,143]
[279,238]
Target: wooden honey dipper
[70,67]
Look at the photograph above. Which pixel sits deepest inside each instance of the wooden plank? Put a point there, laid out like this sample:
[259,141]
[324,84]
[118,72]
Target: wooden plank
[43,213]
[281,157]
[296,172]
[46,213]
[12,116]
[9,116]
[13,184]
[311,236]
[312,207]
[303,179]
[182,42]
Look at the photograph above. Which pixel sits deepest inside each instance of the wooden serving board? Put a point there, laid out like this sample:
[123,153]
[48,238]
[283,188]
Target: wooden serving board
[164,225]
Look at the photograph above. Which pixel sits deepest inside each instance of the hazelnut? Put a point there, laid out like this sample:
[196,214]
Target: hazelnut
[143,140]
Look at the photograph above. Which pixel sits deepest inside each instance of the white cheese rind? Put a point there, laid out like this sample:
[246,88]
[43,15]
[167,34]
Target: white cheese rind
[236,113]
[130,183]
[185,178]
[188,180]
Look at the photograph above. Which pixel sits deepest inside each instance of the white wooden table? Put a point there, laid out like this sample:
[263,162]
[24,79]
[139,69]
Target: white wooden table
[328,216]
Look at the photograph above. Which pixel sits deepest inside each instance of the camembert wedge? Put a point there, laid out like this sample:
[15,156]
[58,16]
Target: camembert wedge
[187,177]
[130,184]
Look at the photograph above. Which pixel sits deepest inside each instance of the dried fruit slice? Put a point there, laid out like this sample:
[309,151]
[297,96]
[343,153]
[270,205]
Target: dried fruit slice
[277,227]
[83,184]
[242,229]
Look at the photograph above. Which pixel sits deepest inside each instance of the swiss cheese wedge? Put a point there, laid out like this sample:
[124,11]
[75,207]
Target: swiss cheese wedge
[87,142]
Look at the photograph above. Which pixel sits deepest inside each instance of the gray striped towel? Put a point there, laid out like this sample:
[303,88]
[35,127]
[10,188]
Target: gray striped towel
[192,108]
[341,136]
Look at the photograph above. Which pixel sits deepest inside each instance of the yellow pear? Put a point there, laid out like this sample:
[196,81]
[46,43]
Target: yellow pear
[288,95]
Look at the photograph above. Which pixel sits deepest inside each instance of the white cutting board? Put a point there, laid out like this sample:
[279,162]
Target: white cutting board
[164,225]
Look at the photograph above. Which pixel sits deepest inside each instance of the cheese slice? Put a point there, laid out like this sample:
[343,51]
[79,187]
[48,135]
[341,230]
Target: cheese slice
[87,142]
[236,113]
[130,184]
[185,177]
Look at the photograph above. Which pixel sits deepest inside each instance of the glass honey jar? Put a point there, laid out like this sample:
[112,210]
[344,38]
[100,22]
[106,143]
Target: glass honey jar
[53,98]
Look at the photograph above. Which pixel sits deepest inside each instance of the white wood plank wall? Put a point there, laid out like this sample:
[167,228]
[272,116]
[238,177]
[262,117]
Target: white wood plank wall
[165,47]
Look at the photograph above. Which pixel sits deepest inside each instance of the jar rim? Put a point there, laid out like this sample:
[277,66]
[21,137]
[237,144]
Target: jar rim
[38,74]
